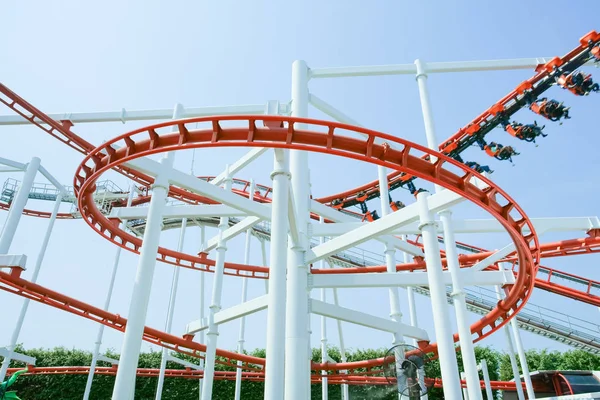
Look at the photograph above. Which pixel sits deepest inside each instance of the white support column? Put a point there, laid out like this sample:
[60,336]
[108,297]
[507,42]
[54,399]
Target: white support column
[38,264]
[202,275]
[297,335]
[443,332]
[263,250]
[125,381]
[486,379]
[171,310]
[345,392]
[522,359]
[465,391]
[17,206]
[238,372]
[460,305]
[390,261]
[511,353]
[276,323]
[111,285]
[412,309]
[324,354]
[213,329]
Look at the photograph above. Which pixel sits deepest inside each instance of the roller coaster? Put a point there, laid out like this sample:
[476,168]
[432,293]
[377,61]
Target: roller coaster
[132,219]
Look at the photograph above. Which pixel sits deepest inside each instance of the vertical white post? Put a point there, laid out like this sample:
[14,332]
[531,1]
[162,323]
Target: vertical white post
[412,309]
[522,358]
[215,306]
[511,353]
[238,372]
[486,380]
[276,323]
[324,356]
[171,310]
[437,290]
[38,264]
[111,285]
[345,392]
[17,206]
[460,305]
[202,274]
[297,335]
[124,388]
[465,391]
[263,249]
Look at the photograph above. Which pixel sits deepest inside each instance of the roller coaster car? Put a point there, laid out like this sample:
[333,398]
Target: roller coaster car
[527,133]
[337,204]
[371,216]
[578,83]
[500,152]
[396,205]
[550,109]
[478,167]
[596,52]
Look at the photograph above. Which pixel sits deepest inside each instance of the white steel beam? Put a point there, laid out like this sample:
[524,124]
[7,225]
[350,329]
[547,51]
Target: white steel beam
[229,314]
[113,361]
[494,258]
[183,211]
[566,224]
[4,352]
[185,363]
[124,115]
[13,260]
[382,226]
[292,219]
[232,231]
[433,67]
[14,164]
[52,180]
[407,279]
[240,164]
[204,188]
[359,318]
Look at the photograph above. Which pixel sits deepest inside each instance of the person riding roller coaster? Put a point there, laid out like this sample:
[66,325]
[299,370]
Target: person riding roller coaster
[478,167]
[413,190]
[578,83]
[361,198]
[395,205]
[527,132]
[498,151]
[337,204]
[550,109]
[596,52]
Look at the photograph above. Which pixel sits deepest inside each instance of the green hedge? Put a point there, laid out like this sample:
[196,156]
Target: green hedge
[68,387]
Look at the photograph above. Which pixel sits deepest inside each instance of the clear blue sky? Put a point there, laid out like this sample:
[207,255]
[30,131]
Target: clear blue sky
[72,57]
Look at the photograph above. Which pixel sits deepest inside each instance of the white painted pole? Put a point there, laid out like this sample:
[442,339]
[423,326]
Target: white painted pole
[297,335]
[170,312]
[345,389]
[465,391]
[213,329]
[412,309]
[443,332]
[263,249]
[324,356]
[18,205]
[238,372]
[460,305]
[38,264]
[276,323]
[202,275]
[111,285]
[486,379]
[522,359]
[511,353]
[138,308]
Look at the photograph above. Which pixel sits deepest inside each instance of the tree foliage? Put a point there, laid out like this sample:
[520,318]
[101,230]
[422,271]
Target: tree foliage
[72,386]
